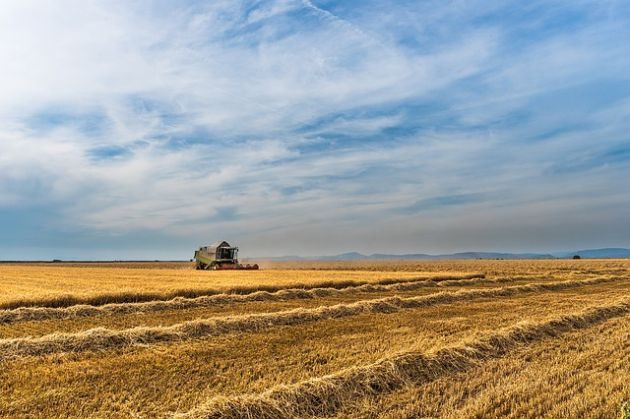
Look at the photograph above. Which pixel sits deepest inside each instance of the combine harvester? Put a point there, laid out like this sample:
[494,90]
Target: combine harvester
[219,256]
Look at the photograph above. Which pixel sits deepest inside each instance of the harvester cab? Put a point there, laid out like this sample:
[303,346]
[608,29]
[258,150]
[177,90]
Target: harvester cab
[218,256]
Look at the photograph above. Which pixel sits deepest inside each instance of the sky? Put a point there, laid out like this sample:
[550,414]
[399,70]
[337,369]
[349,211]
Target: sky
[144,129]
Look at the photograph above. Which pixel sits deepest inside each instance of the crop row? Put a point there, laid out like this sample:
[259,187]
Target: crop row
[105,339]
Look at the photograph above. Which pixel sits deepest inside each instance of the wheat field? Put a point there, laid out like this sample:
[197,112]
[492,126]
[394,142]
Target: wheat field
[316,339]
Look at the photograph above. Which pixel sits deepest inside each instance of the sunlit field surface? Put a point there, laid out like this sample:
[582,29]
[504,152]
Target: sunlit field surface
[316,339]
[60,284]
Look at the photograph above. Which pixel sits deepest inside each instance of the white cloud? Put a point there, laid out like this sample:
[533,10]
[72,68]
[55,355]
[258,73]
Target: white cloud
[208,104]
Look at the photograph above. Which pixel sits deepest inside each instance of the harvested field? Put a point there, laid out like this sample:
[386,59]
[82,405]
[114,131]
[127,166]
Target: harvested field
[411,339]
[61,286]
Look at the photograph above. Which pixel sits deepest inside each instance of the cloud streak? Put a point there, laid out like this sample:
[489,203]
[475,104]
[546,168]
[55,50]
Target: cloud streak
[312,127]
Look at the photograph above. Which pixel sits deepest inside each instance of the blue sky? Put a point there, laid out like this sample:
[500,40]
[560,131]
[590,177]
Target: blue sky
[142,129]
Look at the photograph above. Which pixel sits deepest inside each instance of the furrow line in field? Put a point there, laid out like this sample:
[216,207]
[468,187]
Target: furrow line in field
[106,339]
[64,301]
[325,395]
[181,303]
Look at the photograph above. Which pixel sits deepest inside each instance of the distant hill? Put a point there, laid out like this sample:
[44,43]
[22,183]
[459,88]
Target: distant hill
[423,256]
[612,252]
[585,254]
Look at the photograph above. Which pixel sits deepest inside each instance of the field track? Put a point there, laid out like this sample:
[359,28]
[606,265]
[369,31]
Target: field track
[323,396]
[103,339]
[68,300]
[30,313]
[395,344]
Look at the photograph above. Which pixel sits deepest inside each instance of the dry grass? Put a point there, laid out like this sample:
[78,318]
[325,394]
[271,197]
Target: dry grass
[104,339]
[580,374]
[343,288]
[324,396]
[131,314]
[61,286]
[394,348]
[490,267]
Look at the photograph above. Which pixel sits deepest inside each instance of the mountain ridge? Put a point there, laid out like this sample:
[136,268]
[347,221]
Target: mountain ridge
[602,253]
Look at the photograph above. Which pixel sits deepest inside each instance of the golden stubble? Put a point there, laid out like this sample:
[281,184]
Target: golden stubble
[531,338]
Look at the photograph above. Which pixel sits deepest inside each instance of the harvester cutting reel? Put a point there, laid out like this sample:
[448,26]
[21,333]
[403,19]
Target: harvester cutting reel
[223,266]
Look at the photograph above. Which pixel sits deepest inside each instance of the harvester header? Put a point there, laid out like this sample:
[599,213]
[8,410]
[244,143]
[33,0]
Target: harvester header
[219,256]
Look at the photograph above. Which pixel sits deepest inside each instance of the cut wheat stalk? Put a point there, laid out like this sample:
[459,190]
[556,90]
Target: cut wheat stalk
[106,339]
[325,395]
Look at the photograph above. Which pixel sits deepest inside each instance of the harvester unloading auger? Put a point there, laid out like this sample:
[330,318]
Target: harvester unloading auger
[218,256]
